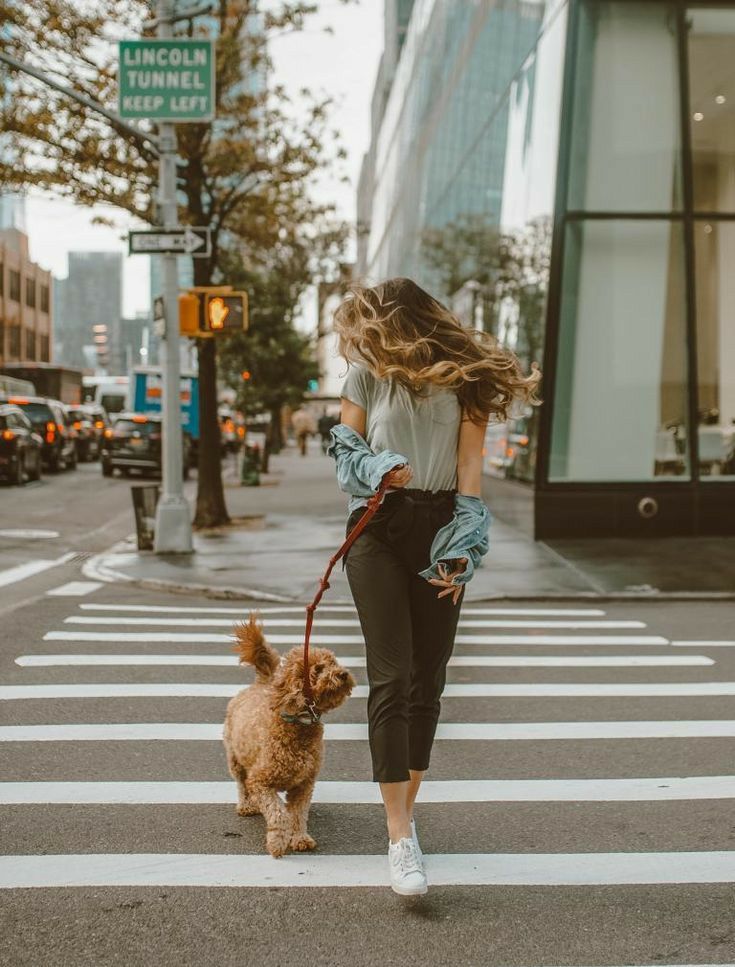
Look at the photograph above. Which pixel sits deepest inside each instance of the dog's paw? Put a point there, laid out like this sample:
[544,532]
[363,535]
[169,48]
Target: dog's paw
[302,842]
[277,841]
[246,809]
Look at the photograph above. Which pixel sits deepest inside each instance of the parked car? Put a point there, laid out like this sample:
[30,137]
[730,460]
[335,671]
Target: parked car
[100,420]
[134,443]
[51,423]
[87,439]
[20,446]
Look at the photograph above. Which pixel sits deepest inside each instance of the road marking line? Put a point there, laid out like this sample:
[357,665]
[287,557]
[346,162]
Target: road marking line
[339,623]
[74,589]
[341,870]
[477,690]
[657,789]
[326,608]
[22,571]
[357,731]
[180,637]
[359,661]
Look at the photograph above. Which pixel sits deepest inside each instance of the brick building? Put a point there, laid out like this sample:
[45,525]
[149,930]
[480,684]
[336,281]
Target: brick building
[25,303]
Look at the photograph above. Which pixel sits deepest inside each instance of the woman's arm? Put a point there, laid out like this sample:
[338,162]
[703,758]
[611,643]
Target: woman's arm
[353,416]
[469,456]
[469,482]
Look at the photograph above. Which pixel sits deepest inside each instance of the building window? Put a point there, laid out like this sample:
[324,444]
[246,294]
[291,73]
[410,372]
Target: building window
[30,344]
[714,246]
[30,292]
[14,347]
[44,350]
[2,279]
[625,138]
[44,298]
[711,38]
[620,406]
[14,279]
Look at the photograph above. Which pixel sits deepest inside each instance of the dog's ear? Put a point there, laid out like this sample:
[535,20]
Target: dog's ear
[288,683]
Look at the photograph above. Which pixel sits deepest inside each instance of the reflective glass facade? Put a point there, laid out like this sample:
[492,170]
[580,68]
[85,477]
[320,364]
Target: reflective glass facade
[563,174]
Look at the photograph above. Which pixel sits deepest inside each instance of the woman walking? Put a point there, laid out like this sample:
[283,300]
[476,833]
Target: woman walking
[415,405]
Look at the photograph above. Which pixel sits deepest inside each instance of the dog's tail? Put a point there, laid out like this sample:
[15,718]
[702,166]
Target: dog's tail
[254,650]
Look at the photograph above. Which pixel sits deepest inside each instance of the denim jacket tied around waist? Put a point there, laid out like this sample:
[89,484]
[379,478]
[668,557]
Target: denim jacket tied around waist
[359,473]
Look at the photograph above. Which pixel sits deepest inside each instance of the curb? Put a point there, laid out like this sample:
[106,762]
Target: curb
[95,569]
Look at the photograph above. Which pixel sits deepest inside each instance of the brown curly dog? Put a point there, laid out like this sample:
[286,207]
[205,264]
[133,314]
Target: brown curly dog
[265,753]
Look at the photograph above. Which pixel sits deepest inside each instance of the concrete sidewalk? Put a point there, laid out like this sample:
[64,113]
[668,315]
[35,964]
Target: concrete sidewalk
[286,530]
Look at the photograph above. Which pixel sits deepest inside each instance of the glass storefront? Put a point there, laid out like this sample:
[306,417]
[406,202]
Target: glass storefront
[644,334]
[562,174]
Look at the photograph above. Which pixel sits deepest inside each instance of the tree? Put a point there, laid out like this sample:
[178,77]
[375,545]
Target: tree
[247,175]
[279,359]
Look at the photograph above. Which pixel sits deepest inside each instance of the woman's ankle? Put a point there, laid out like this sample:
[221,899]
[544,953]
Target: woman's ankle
[398,831]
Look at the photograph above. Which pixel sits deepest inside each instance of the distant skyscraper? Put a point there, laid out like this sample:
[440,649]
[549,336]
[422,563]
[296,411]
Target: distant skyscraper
[12,211]
[88,304]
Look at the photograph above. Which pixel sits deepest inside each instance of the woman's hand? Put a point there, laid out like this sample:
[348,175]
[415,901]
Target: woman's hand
[446,581]
[400,476]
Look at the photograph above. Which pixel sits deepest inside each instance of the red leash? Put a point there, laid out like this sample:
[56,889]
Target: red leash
[372,505]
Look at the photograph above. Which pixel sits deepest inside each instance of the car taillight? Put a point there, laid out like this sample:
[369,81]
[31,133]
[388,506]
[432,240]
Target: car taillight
[77,424]
[523,440]
[50,432]
[8,435]
[99,424]
[108,434]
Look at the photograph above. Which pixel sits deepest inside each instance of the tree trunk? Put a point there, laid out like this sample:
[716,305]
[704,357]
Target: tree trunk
[211,510]
[274,430]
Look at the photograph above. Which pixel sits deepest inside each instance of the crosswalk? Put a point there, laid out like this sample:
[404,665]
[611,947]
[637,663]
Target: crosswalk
[562,679]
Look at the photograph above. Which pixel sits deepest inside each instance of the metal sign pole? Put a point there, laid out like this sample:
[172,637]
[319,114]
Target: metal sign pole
[173,523]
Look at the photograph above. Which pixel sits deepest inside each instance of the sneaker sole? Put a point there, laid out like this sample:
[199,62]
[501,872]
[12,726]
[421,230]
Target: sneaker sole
[401,891]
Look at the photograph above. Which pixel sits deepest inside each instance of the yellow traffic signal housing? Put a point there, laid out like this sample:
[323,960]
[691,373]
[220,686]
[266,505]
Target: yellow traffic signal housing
[188,314]
[225,312]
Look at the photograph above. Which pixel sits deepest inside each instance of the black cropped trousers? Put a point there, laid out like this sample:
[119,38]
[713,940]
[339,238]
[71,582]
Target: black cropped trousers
[409,631]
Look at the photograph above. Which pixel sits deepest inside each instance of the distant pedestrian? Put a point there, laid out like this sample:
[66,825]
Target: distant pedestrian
[326,422]
[304,425]
[414,410]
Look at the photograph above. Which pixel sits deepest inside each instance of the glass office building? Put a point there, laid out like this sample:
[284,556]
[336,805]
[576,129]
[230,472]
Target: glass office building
[563,173]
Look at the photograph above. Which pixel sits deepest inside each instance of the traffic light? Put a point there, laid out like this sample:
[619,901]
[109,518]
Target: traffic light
[188,314]
[225,312]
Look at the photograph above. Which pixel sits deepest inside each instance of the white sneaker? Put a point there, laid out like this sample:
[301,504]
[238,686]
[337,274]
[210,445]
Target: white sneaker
[407,875]
[416,839]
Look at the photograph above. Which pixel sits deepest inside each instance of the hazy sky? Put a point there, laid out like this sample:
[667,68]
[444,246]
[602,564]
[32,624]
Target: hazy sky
[343,65]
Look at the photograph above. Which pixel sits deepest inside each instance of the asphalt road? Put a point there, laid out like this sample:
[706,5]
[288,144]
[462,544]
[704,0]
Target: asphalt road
[581,814]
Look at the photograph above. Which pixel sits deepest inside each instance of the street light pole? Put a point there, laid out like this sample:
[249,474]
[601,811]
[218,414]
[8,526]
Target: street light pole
[173,522]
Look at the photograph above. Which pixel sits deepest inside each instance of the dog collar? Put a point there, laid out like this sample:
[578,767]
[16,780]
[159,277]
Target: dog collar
[309,717]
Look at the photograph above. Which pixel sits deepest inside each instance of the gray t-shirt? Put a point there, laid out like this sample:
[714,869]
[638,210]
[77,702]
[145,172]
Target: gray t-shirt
[423,426]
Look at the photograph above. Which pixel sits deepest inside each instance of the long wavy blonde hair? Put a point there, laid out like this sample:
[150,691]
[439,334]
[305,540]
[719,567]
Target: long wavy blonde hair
[401,332]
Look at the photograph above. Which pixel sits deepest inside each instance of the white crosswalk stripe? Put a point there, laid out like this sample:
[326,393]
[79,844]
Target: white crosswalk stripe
[334,641]
[337,623]
[359,661]
[571,642]
[351,731]
[300,871]
[657,789]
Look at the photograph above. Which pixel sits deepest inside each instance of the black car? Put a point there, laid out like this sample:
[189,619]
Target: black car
[20,446]
[51,423]
[134,443]
[87,437]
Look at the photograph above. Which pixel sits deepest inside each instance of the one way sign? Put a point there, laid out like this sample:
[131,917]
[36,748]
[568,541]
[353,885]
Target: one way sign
[183,241]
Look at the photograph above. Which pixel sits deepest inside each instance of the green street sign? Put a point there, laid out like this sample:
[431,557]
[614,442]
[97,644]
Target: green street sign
[166,80]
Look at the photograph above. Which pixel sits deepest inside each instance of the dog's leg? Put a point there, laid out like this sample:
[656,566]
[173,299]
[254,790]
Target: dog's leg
[245,806]
[298,800]
[269,803]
